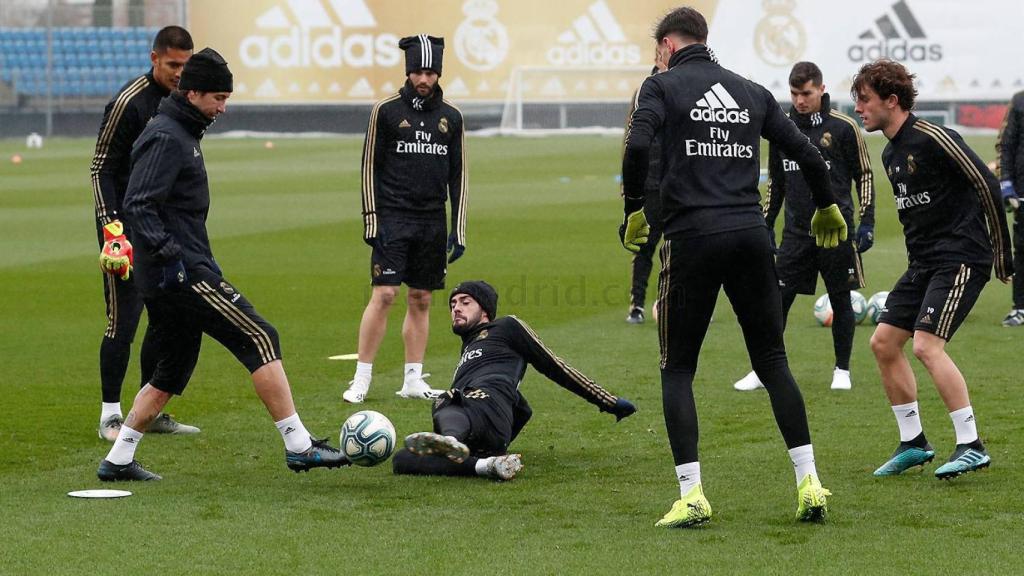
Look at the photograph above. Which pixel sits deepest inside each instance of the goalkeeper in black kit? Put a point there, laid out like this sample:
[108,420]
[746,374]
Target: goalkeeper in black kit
[484,411]
[710,122]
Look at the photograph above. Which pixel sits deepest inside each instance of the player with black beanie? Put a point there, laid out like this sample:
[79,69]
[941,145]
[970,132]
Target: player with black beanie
[483,411]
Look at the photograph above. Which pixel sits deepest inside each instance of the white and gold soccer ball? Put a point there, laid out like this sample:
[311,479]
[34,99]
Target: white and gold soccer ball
[367,438]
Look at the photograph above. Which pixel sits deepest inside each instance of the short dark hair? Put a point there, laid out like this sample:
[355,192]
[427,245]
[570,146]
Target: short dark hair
[685,21]
[804,72]
[172,37]
[885,77]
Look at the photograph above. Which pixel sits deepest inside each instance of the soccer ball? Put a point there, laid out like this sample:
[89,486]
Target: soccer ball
[875,306]
[367,438]
[823,310]
[34,140]
[860,306]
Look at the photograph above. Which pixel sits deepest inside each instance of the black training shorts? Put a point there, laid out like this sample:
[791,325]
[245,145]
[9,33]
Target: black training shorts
[414,254]
[933,300]
[799,262]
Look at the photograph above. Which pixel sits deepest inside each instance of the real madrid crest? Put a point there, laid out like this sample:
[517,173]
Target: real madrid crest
[442,125]
[227,288]
[779,39]
[826,140]
[911,165]
[376,270]
[482,335]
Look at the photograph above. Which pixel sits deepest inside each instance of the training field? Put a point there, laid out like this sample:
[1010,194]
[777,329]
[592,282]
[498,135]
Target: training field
[542,227]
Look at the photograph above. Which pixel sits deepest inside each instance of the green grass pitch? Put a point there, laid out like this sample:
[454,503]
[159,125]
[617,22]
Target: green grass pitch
[542,228]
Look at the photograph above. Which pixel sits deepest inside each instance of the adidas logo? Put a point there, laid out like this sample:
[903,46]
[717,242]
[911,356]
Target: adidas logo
[289,430]
[969,419]
[595,38]
[927,319]
[718,105]
[897,35]
[195,152]
[305,33]
[404,124]
[911,414]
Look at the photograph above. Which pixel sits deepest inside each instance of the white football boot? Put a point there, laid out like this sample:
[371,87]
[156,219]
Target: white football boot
[748,382]
[417,388]
[357,390]
[841,380]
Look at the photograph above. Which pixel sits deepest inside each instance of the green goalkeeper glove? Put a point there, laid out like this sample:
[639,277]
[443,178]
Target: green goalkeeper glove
[828,227]
[634,231]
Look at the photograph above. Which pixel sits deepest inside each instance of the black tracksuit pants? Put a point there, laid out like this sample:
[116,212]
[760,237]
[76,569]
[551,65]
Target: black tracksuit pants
[693,272]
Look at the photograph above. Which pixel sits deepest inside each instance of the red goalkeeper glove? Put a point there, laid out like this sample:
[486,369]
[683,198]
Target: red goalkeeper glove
[116,255]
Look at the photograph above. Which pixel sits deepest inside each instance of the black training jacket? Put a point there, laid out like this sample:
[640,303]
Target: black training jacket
[652,193]
[1010,144]
[168,195]
[711,122]
[494,359]
[839,139]
[948,200]
[414,158]
[123,120]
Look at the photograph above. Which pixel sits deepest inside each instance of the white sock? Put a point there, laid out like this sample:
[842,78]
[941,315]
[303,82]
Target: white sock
[413,371]
[688,475]
[108,409]
[908,418]
[123,450]
[964,425]
[803,461]
[296,437]
[483,466]
[364,370]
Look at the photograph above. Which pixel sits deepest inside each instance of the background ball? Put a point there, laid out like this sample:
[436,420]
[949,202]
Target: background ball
[823,310]
[875,306]
[860,306]
[367,438]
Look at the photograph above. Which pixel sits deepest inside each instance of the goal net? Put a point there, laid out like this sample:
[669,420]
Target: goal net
[558,100]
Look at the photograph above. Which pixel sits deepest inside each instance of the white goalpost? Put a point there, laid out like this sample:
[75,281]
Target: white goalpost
[569,99]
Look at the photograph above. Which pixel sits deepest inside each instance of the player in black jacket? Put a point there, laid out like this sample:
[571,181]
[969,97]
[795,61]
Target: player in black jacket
[1010,147]
[476,420]
[414,159]
[955,229]
[711,121]
[643,260]
[123,120]
[799,261]
[186,294]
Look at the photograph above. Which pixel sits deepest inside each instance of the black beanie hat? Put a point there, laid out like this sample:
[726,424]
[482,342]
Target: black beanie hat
[206,71]
[482,292]
[422,52]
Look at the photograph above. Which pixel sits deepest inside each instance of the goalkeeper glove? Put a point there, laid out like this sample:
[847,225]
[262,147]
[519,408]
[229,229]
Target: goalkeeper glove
[1010,199]
[174,276]
[116,254]
[621,409]
[454,249]
[634,231]
[865,238]
[828,226]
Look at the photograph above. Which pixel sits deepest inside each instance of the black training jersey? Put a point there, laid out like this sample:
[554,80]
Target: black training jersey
[414,158]
[841,143]
[652,192]
[123,120]
[1010,144]
[168,196]
[711,122]
[945,196]
[494,359]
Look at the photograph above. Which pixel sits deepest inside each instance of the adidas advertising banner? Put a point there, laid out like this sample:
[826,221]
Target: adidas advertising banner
[958,50]
[334,51]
